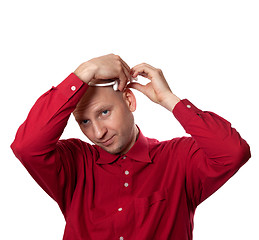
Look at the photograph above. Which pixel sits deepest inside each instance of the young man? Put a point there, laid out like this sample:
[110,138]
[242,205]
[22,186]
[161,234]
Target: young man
[125,186]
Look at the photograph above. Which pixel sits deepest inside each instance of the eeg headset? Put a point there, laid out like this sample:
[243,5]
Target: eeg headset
[114,83]
[110,82]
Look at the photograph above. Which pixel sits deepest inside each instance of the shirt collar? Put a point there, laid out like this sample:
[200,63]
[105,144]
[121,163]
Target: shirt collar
[138,152]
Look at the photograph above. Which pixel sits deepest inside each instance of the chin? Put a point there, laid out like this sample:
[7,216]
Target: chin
[113,150]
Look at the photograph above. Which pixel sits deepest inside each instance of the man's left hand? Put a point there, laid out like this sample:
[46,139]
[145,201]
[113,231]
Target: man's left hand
[157,90]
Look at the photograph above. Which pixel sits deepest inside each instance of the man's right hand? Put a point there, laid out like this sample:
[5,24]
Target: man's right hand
[105,67]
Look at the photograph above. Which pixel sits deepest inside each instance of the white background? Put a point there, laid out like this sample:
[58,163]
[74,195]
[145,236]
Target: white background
[208,51]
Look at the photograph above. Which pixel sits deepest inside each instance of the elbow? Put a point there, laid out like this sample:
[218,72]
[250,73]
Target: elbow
[29,150]
[17,149]
[240,153]
[20,149]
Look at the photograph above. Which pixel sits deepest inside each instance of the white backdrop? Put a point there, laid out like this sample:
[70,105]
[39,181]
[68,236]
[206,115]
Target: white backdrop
[208,51]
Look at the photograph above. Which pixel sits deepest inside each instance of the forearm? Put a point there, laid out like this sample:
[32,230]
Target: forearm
[213,134]
[215,154]
[48,117]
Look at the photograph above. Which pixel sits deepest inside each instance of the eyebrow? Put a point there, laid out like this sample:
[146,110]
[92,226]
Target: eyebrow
[96,112]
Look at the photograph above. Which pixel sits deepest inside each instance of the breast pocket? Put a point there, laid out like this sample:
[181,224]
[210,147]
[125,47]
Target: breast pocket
[149,210]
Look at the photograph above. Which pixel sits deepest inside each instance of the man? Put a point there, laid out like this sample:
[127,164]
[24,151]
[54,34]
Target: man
[125,186]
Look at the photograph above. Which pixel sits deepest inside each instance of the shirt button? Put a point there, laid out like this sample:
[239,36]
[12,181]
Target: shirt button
[126,172]
[124,157]
[126,184]
[120,209]
[121,238]
[73,88]
[188,106]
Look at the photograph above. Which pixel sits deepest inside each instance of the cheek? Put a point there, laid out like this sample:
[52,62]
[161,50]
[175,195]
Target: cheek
[87,133]
[119,121]
[123,124]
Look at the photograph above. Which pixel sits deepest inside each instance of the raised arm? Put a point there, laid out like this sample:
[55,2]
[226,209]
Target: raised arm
[52,163]
[215,151]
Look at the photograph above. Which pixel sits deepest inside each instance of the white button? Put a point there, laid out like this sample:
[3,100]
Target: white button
[121,238]
[126,172]
[73,88]
[124,157]
[189,106]
[120,209]
[126,184]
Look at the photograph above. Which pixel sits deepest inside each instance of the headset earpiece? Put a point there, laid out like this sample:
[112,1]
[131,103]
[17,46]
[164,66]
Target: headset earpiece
[115,86]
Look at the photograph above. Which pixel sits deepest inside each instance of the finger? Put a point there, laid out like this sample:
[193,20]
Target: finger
[141,72]
[127,70]
[127,73]
[144,70]
[138,87]
[124,74]
[125,65]
[123,81]
[144,64]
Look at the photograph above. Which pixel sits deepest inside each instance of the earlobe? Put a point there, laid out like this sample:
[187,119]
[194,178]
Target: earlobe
[130,99]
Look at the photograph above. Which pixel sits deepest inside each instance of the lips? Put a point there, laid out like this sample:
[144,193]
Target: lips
[107,142]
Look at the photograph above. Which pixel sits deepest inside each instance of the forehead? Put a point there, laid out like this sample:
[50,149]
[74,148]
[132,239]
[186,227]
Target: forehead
[97,98]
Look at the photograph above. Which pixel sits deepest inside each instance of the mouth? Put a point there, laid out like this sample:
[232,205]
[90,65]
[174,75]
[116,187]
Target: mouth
[107,142]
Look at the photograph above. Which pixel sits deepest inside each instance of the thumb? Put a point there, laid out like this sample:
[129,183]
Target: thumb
[137,86]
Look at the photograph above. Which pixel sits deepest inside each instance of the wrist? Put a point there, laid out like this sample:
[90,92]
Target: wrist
[85,72]
[170,101]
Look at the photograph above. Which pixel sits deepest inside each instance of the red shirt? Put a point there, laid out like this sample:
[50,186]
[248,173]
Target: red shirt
[149,193]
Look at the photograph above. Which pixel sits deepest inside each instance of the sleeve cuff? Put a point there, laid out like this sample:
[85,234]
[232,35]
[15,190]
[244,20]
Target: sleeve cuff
[184,111]
[71,85]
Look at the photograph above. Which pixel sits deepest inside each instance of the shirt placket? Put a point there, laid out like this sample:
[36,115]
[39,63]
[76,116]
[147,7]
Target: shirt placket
[125,215]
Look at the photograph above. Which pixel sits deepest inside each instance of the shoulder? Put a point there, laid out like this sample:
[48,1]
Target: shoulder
[174,144]
[174,150]
[77,146]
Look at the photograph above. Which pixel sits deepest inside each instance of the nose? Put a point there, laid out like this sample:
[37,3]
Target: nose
[99,130]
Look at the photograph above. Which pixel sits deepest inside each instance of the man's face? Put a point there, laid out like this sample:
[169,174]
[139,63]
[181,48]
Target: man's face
[106,118]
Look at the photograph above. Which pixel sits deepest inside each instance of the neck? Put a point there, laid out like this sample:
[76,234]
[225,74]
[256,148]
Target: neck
[134,139]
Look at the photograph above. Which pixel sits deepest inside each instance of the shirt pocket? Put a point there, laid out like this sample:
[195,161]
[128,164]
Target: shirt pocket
[149,210]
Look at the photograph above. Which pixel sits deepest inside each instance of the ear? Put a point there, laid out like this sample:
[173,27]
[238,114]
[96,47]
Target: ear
[130,99]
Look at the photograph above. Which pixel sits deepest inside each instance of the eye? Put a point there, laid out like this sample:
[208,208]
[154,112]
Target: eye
[85,122]
[105,112]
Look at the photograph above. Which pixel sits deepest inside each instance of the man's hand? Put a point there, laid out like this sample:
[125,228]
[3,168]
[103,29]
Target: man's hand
[157,90]
[105,67]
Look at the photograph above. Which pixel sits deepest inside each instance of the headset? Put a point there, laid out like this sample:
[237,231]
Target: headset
[114,83]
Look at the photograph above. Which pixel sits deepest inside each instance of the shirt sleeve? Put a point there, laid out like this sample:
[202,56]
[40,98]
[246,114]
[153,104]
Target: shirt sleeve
[215,153]
[37,145]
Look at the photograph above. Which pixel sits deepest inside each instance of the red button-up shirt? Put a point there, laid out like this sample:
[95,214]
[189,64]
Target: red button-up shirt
[151,192]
